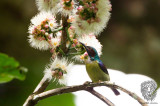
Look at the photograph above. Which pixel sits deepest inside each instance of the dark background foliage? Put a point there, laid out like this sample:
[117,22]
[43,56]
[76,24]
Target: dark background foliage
[131,43]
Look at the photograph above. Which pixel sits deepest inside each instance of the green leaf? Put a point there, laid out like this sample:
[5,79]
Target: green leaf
[10,69]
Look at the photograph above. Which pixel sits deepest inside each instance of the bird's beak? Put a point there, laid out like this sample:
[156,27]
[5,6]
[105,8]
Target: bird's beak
[84,45]
[90,54]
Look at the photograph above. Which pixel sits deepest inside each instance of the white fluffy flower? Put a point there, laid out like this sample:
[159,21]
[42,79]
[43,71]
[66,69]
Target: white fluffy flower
[38,44]
[102,11]
[55,6]
[59,69]
[59,34]
[48,74]
[65,9]
[47,5]
[55,42]
[89,40]
[42,16]
[52,24]
[40,30]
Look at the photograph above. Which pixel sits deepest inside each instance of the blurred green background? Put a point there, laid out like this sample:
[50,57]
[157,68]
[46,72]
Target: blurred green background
[131,43]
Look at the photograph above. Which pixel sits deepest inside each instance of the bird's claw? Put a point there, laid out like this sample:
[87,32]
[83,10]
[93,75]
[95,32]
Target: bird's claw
[100,81]
[87,82]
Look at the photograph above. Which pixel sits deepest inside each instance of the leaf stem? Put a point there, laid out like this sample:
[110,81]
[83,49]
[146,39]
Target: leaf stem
[61,51]
[59,29]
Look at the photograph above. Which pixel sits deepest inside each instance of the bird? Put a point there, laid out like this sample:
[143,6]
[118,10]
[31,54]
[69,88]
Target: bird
[95,68]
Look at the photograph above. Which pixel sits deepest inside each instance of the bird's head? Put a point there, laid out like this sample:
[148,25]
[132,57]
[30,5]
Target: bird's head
[92,52]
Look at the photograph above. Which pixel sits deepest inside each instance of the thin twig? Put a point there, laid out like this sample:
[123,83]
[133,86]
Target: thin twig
[69,89]
[133,95]
[56,30]
[42,85]
[100,96]
[39,89]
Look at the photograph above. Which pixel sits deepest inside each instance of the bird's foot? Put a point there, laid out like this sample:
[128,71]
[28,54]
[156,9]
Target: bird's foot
[87,82]
[100,81]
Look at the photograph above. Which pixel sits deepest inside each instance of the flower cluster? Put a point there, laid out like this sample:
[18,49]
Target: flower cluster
[64,7]
[79,21]
[68,4]
[67,7]
[58,69]
[88,12]
[41,29]
[92,16]
[47,5]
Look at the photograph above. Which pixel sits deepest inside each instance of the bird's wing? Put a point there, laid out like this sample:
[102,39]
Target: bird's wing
[103,67]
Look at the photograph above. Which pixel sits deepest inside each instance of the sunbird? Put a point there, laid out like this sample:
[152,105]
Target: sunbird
[95,68]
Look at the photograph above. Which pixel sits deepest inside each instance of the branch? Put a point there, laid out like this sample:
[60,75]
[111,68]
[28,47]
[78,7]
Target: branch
[101,97]
[64,34]
[39,89]
[42,85]
[69,89]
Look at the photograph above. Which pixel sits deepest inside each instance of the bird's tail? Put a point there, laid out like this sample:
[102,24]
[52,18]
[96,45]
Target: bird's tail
[116,92]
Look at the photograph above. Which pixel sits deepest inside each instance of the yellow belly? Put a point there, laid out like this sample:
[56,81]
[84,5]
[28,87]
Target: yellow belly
[95,72]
